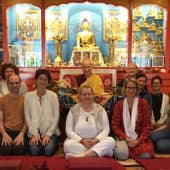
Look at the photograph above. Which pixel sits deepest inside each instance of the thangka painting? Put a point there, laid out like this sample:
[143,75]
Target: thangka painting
[56,25]
[115,24]
[28,25]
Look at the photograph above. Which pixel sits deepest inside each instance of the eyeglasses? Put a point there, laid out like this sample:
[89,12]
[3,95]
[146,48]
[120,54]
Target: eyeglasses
[131,88]
[156,83]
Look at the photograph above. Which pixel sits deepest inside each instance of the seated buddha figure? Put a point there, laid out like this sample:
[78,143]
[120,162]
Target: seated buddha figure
[160,14]
[144,37]
[144,22]
[85,38]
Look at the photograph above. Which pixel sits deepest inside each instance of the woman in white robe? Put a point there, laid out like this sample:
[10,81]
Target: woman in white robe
[87,128]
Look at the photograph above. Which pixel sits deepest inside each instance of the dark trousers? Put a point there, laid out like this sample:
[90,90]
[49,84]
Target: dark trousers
[47,150]
[161,140]
[12,149]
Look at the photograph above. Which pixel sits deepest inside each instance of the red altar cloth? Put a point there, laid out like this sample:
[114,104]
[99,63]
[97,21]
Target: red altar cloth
[30,162]
[94,164]
[57,163]
[155,164]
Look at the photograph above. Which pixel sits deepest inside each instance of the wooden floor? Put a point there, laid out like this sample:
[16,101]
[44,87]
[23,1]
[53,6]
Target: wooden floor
[129,164]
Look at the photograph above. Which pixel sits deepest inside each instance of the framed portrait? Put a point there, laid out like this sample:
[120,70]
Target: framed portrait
[56,26]
[28,25]
[115,24]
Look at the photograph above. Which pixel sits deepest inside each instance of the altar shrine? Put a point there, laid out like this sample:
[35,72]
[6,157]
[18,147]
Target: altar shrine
[120,34]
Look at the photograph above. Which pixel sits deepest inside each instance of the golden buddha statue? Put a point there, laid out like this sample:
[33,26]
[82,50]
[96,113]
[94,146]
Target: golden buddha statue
[160,14]
[144,37]
[144,22]
[151,12]
[48,60]
[85,38]
[136,26]
[58,40]
[152,25]
[138,12]
[112,40]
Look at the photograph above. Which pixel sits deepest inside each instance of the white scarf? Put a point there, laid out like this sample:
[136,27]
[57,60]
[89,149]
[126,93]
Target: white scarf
[129,122]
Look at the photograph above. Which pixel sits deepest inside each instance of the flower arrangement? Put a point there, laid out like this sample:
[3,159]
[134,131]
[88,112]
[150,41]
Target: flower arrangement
[61,87]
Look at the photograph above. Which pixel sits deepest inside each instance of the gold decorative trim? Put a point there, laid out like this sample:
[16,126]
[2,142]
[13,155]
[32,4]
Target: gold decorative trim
[14,2]
[124,3]
[163,3]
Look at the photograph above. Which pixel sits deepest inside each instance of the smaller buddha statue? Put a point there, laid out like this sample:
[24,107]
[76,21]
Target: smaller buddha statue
[48,60]
[160,14]
[136,26]
[144,22]
[152,25]
[144,37]
[151,12]
[135,45]
[159,30]
[85,38]
[153,42]
[160,47]
[112,42]
[58,40]
[138,12]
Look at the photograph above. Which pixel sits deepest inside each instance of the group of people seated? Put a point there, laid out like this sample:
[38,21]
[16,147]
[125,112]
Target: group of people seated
[29,120]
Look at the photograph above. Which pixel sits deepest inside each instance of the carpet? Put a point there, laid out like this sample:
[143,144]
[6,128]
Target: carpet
[155,164]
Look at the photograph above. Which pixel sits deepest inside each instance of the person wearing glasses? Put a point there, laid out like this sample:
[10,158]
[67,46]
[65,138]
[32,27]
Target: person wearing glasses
[131,124]
[12,122]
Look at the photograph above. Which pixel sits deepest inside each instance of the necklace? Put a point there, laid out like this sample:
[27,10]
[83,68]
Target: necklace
[88,115]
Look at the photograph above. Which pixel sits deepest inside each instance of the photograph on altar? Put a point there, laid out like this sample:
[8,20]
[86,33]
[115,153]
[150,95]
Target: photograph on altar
[28,25]
[56,26]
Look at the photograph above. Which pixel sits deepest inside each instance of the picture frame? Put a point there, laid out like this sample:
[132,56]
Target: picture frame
[28,25]
[56,25]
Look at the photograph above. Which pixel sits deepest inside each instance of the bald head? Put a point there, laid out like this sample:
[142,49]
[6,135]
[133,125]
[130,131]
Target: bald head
[14,77]
[14,83]
[132,70]
[87,67]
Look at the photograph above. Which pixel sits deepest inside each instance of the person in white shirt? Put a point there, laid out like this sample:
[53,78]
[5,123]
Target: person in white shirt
[87,128]
[42,116]
[6,71]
